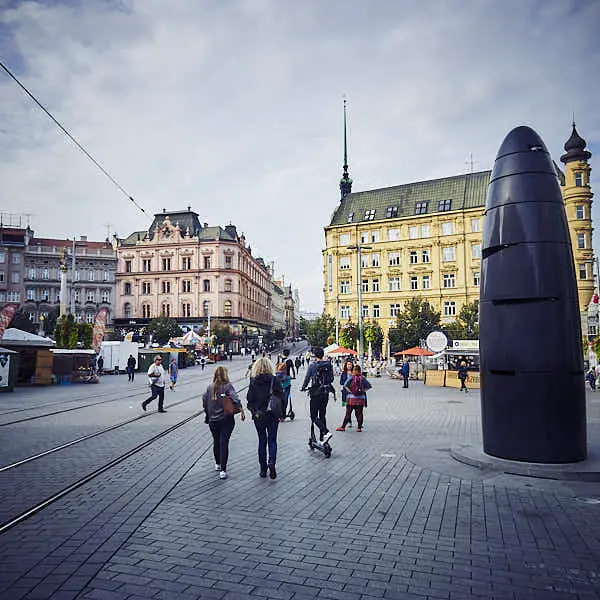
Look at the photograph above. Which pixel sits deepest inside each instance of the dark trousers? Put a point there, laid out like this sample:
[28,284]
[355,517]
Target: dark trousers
[405,377]
[130,373]
[318,412]
[348,416]
[157,392]
[463,385]
[221,431]
[266,428]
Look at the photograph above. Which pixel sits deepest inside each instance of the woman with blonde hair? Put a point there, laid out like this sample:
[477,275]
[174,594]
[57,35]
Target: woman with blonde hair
[263,383]
[220,423]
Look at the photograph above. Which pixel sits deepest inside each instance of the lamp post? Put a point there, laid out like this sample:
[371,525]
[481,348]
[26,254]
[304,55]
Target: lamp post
[359,248]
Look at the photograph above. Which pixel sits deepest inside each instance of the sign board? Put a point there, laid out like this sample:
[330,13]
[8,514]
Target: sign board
[466,345]
[436,341]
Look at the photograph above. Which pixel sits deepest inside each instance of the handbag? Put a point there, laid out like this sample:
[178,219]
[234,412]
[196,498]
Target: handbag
[229,406]
[274,403]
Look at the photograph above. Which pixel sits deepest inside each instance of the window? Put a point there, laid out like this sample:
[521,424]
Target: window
[391,212]
[76,274]
[227,308]
[425,282]
[449,309]
[448,254]
[581,241]
[145,311]
[228,285]
[90,275]
[395,310]
[186,263]
[166,264]
[207,262]
[369,215]
[393,235]
[476,277]
[330,271]
[105,277]
[127,310]
[344,239]
[375,285]
[424,231]
[146,265]
[413,232]
[344,287]
[375,260]
[32,316]
[475,225]
[228,261]
[105,296]
[89,317]
[414,257]
[365,311]
[394,259]
[394,284]
[165,309]
[1,276]
[16,259]
[146,288]
[127,289]
[375,236]
[15,277]
[579,211]
[76,295]
[127,266]
[345,262]
[449,280]
[91,296]
[45,273]
[448,228]
[444,205]
[582,268]
[344,312]
[476,250]
[206,308]
[2,256]
[350,217]
[364,237]
[12,296]
[165,287]
[31,273]
[364,261]
[376,314]
[414,282]
[186,309]
[31,294]
[578,179]
[186,286]
[365,285]
[206,285]
[420,208]
[45,295]
[425,255]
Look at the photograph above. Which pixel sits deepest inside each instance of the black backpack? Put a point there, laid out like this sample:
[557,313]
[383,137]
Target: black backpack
[320,383]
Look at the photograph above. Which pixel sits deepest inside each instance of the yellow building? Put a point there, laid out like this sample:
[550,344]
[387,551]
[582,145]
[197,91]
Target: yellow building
[424,239]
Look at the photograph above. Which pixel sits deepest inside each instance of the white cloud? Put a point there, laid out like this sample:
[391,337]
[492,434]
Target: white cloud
[235,108]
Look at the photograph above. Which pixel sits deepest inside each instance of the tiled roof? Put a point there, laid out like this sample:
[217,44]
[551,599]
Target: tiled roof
[215,233]
[464,191]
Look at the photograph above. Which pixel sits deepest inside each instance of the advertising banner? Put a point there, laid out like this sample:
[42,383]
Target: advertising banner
[99,328]
[6,316]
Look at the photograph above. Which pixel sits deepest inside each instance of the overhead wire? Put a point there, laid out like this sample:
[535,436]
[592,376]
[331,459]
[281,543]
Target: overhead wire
[70,136]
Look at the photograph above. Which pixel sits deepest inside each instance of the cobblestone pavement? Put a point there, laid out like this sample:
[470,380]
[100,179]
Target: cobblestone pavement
[389,515]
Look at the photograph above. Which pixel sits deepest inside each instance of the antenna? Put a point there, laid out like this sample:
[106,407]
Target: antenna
[108,226]
[470,162]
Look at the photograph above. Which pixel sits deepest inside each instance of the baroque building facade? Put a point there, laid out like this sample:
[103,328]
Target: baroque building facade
[194,274]
[424,240]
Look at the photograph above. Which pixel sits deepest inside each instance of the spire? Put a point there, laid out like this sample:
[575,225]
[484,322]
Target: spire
[575,148]
[345,181]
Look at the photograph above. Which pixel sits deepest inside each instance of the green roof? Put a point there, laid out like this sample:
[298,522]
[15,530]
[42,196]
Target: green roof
[424,197]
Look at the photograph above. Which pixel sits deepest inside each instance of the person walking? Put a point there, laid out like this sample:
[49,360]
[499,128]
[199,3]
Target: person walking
[405,372]
[263,383]
[356,387]
[100,364]
[288,372]
[344,376]
[318,380]
[131,362]
[173,373]
[220,423]
[202,363]
[156,379]
[463,375]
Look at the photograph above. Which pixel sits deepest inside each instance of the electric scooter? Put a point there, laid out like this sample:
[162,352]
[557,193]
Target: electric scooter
[315,444]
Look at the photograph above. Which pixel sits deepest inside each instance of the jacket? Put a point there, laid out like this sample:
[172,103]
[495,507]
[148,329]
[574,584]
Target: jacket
[312,371]
[257,397]
[213,406]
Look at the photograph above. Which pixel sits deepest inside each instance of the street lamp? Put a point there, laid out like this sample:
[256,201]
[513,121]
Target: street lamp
[359,248]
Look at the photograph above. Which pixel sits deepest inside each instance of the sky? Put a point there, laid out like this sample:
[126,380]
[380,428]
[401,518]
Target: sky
[235,107]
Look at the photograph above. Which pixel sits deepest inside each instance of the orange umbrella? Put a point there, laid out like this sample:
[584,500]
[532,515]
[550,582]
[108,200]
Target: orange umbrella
[414,352]
[341,350]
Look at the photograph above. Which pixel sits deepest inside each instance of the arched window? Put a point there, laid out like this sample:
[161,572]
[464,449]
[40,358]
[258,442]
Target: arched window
[206,308]
[227,308]
[166,310]
[146,311]
[228,287]
[127,310]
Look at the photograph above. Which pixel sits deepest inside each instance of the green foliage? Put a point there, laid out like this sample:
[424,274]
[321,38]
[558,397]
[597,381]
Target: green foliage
[50,320]
[466,326]
[66,332]
[223,334]
[413,324]
[374,334]
[22,321]
[163,329]
[279,334]
[595,345]
[304,326]
[348,335]
[85,334]
[320,330]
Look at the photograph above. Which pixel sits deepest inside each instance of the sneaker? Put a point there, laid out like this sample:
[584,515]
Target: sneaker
[341,428]
[162,410]
[272,472]
[359,429]
[217,467]
[263,473]
[327,437]
[223,475]
[144,405]
[350,425]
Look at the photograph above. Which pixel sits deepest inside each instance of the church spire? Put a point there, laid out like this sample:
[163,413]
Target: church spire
[345,181]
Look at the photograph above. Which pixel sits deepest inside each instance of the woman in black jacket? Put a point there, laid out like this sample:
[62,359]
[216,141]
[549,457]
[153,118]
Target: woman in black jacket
[262,382]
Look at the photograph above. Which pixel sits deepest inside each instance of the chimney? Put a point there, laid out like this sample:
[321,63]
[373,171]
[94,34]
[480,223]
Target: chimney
[83,238]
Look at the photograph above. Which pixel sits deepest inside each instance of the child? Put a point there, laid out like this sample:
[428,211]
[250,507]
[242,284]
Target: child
[173,372]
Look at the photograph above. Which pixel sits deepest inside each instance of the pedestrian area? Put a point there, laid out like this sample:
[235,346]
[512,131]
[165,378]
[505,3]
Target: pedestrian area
[390,515]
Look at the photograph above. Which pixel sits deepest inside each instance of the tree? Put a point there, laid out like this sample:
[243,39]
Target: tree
[85,334]
[348,334]
[466,326]
[50,320]
[22,321]
[374,334]
[413,324]
[223,334]
[319,330]
[163,329]
[279,334]
[66,332]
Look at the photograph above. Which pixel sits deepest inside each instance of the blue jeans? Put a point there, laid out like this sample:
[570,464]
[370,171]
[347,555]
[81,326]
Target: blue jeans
[266,427]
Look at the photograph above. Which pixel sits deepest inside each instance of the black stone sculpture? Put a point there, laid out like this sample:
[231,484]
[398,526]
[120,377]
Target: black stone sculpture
[532,381]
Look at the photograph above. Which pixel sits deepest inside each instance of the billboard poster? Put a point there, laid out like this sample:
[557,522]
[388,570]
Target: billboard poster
[4,364]
[99,328]
[6,316]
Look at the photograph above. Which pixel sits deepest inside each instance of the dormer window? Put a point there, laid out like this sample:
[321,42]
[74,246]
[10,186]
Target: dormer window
[444,205]
[391,212]
[350,217]
[369,215]
[420,208]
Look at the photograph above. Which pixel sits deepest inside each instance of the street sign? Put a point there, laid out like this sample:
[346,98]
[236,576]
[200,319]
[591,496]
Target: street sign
[436,341]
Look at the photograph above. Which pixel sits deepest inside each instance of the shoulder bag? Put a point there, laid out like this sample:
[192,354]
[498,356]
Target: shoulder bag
[229,406]
[274,403]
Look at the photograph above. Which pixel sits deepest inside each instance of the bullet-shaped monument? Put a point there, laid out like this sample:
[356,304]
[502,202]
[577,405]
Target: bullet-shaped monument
[532,381]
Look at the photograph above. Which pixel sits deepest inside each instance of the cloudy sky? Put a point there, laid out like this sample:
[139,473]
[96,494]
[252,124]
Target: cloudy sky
[235,106]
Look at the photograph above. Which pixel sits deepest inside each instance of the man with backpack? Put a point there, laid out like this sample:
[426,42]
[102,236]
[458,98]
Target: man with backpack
[318,380]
